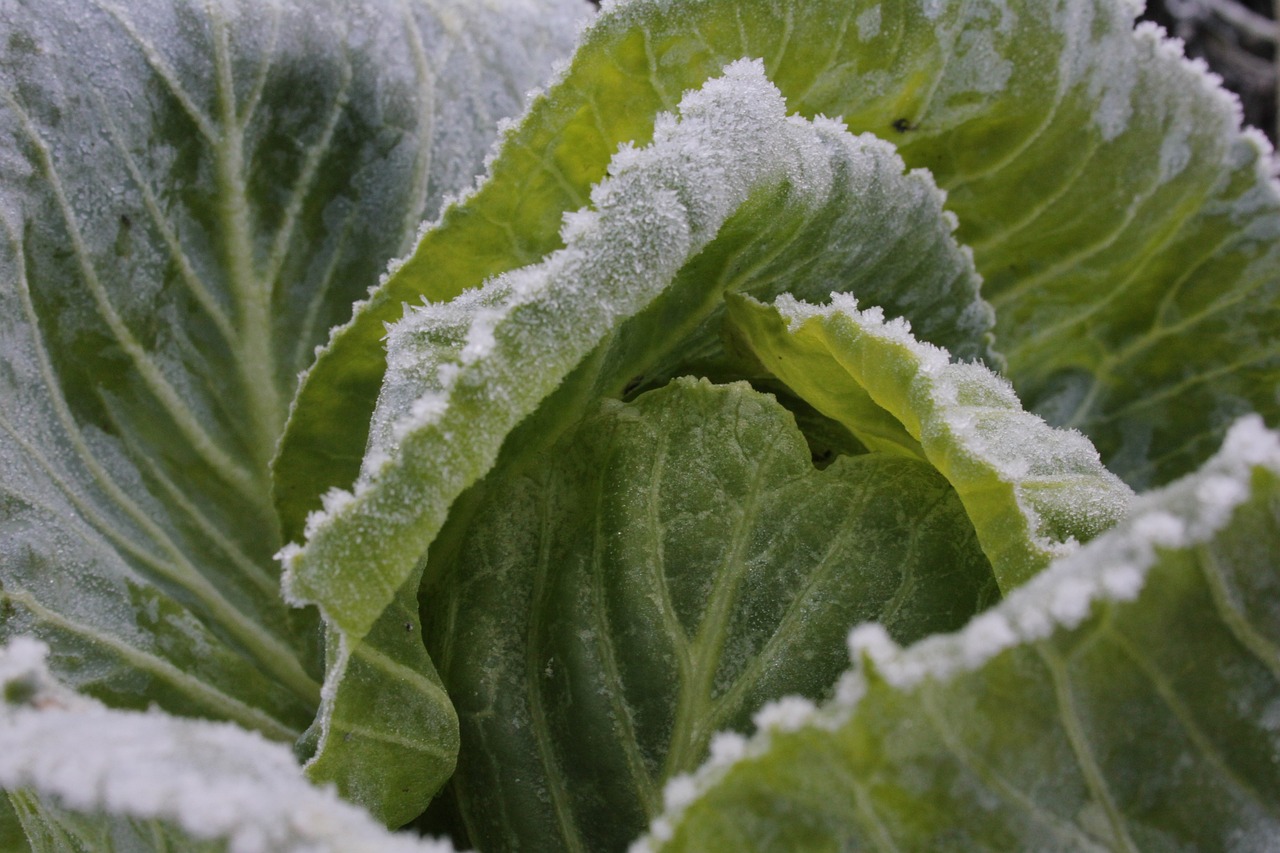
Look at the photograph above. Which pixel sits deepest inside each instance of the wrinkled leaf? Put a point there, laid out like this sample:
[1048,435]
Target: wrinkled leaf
[1123,700]
[667,568]
[1032,492]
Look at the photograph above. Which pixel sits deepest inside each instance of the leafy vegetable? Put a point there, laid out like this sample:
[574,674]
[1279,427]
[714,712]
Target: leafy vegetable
[768,322]
[676,562]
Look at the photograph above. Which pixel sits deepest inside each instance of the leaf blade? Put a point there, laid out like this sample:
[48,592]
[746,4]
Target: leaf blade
[1032,492]
[1105,628]
[667,567]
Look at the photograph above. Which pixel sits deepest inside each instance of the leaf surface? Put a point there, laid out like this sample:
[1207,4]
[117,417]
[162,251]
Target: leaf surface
[190,195]
[668,567]
[1033,492]
[1123,700]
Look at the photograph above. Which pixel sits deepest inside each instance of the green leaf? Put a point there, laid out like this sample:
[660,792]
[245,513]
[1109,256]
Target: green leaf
[732,196]
[1123,700]
[12,837]
[49,827]
[82,776]
[190,195]
[387,735]
[665,569]
[1101,180]
[1032,492]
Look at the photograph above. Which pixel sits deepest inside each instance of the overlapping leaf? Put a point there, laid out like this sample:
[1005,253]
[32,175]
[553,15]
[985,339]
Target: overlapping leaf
[668,567]
[732,196]
[1033,492]
[190,194]
[1123,700]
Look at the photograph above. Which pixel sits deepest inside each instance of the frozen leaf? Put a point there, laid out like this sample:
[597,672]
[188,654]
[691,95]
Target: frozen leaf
[638,291]
[190,195]
[664,570]
[1125,699]
[81,774]
[1125,227]
[1032,492]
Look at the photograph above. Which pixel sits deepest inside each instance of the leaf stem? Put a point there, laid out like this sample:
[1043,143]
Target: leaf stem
[256,357]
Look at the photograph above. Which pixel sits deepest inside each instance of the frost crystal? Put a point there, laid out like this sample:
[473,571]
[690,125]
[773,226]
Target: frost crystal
[213,780]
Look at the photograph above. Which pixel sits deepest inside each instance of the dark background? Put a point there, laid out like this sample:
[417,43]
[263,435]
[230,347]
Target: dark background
[1237,38]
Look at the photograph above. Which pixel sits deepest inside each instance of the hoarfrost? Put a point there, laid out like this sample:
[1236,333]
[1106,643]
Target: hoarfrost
[1112,568]
[786,714]
[212,780]
[868,23]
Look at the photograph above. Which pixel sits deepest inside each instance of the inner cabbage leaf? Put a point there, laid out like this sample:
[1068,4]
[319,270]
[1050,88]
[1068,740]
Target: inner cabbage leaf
[1032,492]
[502,373]
[665,569]
[1124,699]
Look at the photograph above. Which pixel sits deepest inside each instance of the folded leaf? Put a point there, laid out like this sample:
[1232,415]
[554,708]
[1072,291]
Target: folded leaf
[386,733]
[1101,179]
[1125,699]
[669,566]
[1033,492]
[85,777]
[637,291]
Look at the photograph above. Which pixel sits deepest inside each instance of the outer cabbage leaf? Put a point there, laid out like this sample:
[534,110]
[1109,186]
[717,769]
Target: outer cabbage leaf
[12,837]
[85,777]
[190,194]
[668,567]
[1125,699]
[1032,492]
[1125,227]
[638,289]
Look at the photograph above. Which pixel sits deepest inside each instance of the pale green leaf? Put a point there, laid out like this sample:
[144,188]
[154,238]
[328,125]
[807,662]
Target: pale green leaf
[668,567]
[1126,228]
[386,733]
[1125,699]
[1032,492]
[732,196]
